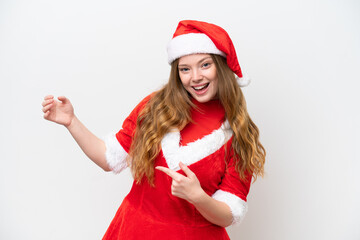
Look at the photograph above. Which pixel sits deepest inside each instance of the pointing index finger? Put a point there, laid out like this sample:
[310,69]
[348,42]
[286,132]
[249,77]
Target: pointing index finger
[171,173]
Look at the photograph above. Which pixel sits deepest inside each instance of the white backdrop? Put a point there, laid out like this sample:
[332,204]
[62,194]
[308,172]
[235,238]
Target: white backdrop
[303,57]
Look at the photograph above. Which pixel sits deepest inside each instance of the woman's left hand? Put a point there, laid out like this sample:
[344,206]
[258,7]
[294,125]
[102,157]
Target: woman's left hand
[186,187]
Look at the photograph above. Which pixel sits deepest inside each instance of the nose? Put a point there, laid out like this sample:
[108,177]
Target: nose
[196,75]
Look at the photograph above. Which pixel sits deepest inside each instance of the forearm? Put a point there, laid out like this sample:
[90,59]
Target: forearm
[214,211]
[91,145]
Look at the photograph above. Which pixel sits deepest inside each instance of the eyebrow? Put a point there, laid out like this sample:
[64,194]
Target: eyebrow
[201,60]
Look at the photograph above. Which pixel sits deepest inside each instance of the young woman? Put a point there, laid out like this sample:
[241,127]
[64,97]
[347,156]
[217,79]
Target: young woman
[191,146]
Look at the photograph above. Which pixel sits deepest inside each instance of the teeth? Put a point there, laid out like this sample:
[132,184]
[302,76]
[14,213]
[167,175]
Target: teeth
[201,87]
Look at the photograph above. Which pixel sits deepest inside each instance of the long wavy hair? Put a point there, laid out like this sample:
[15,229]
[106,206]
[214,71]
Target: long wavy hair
[170,107]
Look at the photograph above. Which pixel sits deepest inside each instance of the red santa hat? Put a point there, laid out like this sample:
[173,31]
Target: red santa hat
[193,37]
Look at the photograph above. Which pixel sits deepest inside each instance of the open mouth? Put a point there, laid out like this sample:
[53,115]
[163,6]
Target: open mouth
[201,87]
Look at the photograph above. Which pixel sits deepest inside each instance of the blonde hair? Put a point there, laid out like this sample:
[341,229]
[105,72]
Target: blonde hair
[170,108]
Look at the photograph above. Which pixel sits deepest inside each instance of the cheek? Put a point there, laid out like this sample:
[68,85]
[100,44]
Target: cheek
[215,83]
[184,80]
[216,86]
[212,74]
[214,78]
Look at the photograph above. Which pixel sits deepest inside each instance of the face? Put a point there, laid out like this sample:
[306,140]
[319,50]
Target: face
[198,76]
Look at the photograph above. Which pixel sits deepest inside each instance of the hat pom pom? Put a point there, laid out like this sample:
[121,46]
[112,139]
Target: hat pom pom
[243,81]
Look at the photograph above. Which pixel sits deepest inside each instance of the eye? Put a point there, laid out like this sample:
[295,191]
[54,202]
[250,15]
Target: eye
[206,65]
[184,69]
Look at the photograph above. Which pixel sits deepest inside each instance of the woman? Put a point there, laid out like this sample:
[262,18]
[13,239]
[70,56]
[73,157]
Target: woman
[191,146]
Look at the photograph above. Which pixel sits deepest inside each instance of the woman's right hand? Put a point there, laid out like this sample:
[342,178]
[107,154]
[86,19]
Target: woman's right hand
[61,112]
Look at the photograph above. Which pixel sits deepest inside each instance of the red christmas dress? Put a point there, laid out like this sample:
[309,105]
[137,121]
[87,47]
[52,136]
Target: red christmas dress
[153,212]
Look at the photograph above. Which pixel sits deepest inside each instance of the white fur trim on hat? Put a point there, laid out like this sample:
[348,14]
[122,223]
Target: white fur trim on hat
[115,154]
[237,206]
[191,43]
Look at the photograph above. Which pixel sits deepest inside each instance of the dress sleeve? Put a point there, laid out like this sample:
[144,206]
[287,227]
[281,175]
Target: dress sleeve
[118,144]
[233,191]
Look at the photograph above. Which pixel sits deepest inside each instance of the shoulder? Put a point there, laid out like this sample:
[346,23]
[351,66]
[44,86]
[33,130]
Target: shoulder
[141,105]
[144,101]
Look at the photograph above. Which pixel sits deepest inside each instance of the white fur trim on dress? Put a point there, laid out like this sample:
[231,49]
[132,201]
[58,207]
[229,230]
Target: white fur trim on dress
[194,151]
[115,154]
[191,43]
[237,206]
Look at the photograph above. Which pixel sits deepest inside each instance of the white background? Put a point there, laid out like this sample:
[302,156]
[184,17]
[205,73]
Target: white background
[303,57]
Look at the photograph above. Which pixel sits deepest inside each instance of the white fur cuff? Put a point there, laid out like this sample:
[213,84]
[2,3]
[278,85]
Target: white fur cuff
[115,154]
[237,206]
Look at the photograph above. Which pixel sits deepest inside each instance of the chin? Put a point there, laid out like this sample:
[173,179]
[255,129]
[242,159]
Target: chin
[202,99]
